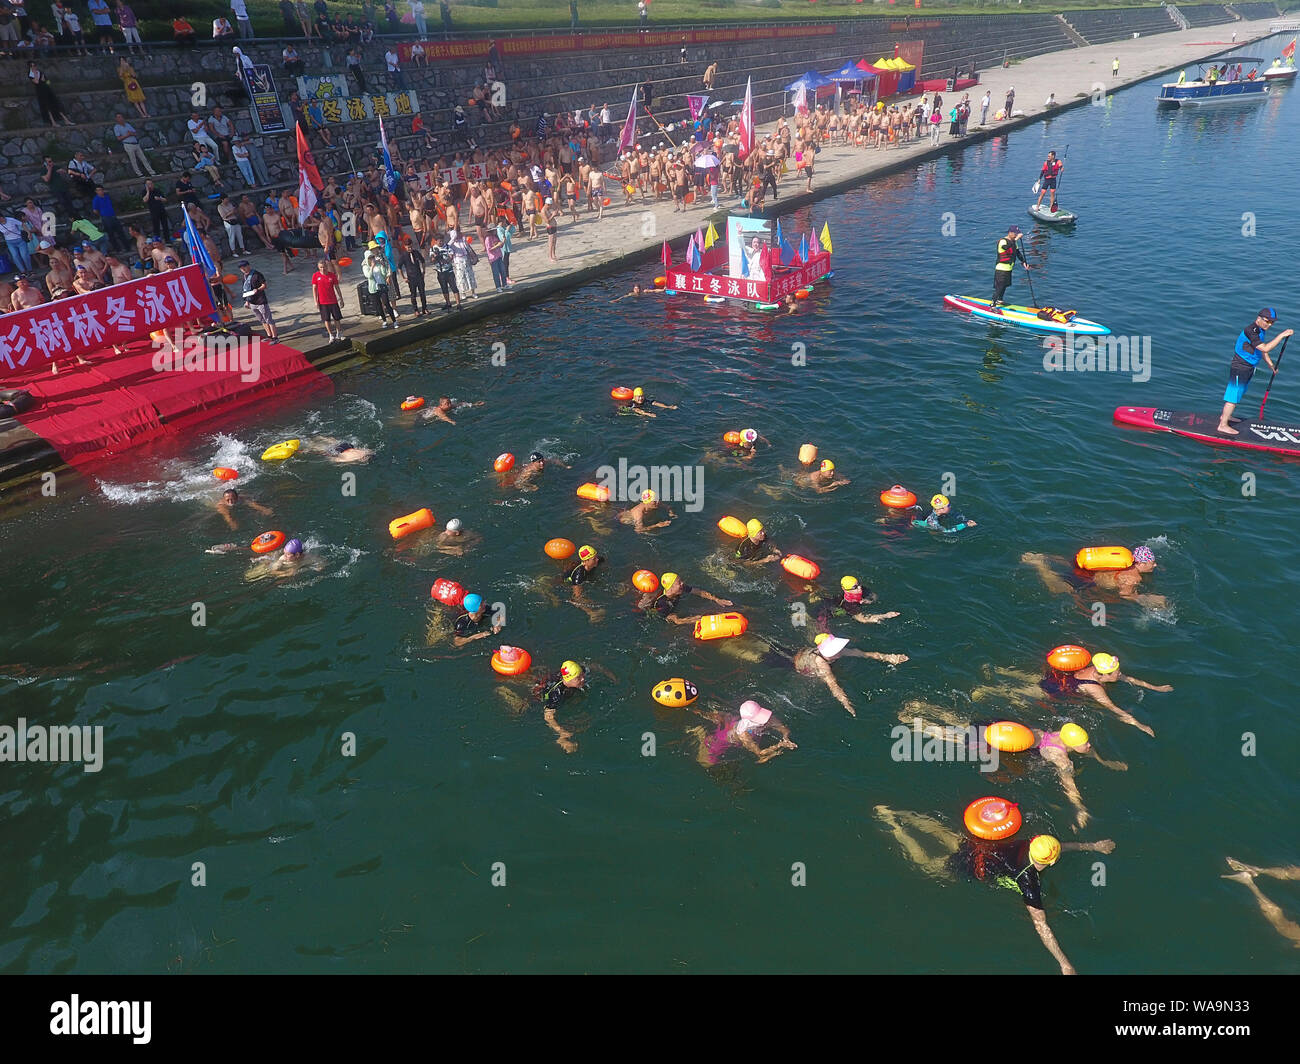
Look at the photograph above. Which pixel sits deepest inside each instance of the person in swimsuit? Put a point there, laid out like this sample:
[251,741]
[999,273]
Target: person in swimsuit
[342,452]
[636,515]
[942,519]
[813,662]
[754,548]
[726,730]
[1123,581]
[668,599]
[445,408]
[746,450]
[823,478]
[1245,875]
[230,498]
[588,559]
[1252,345]
[1015,864]
[553,691]
[473,623]
[640,401]
[454,540]
[853,596]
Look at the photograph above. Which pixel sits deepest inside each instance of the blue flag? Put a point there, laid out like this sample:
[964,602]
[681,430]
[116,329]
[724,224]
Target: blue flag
[198,252]
[783,244]
[744,262]
[803,249]
[693,255]
[390,175]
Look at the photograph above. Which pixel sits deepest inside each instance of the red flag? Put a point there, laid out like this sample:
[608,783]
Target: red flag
[747,121]
[667,256]
[1289,50]
[306,161]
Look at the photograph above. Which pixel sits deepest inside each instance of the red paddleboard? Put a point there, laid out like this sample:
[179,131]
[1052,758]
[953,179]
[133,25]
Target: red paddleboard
[1252,435]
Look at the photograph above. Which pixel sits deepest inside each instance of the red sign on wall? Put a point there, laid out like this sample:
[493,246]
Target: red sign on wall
[118,314]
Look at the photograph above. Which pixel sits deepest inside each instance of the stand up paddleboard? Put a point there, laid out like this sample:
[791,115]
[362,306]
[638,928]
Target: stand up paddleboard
[1252,435]
[1058,217]
[1026,317]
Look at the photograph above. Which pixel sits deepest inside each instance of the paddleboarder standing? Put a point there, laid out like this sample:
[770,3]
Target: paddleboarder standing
[1008,251]
[1047,180]
[1252,345]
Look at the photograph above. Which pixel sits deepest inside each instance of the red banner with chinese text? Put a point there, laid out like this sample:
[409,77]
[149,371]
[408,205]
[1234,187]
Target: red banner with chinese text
[787,280]
[118,314]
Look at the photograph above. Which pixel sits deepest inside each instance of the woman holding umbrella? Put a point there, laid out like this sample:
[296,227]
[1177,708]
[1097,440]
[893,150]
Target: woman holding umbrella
[706,173]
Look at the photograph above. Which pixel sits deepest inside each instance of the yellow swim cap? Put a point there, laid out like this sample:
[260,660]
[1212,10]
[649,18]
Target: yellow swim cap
[828,466]
[637,391]
[667,581]
[1072,735]
[585,552]
[1105,663]
[753,526]
[649,496]
[1044,849]
[938,500]
[820,639]
[848,583]
[570,669]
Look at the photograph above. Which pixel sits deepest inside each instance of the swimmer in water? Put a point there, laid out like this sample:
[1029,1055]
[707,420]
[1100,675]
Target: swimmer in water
[941,518]
[343,452]
[553,690]
[1245,875]
[1014,863]
[527,473]
[791,304]
[473,623]
[637,291]
[289,562]
[822,479]
[813,662]
[754,549]
[853,596]
[1124,582]
[1088,681]
[726,730]
[668,599]
[636,515]
[588,559]
[746,450]
[444,408]
[454,540]
[1054,747]
[230,498]
[639,403]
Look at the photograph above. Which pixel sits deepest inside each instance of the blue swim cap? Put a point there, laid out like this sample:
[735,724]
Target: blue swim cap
[293,547]
[473,603]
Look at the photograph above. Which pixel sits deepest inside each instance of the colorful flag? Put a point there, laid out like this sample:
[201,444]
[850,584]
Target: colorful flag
[744,261]
[693,255]
[826,237]
[803,249]
[198,253]
[308,179]
[801,99]
[390,175]
[307,161]
[628,136]
[747,121]
[667,256]
[782,243]
[710,237]
[1289,50]
[697,105]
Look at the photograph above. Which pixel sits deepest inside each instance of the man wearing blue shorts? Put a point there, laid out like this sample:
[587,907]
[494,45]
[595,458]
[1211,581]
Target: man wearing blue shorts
[1252,344]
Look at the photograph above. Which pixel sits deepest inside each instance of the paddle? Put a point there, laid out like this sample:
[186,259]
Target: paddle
[1271,379]
[1033,298]
[1061,175]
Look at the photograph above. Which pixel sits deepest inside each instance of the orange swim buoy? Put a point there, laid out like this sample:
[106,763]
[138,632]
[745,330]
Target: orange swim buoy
[1008,736]
[511,661]
[660,282]
[413,402]
[620,393]
[808,454]
[1100,559]
[801,294]
[448,592]
[801,567]
[898,497]
[267,542]
[413,522]
[345,262]
[594,492]
[1069,658]
[559,549]
[732,437]
[224,473]
[504,462]
[721,626]
[646,581]
[733,526]
[605,202]
[992,818]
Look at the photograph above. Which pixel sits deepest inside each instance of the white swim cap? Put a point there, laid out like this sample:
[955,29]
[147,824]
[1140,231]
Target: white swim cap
[453,525]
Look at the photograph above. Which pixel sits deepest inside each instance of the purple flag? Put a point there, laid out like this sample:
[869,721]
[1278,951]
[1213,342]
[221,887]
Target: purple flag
[697,105]
[629,127]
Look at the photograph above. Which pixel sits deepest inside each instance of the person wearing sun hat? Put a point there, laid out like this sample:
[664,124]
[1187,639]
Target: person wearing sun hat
[636,515]
[1013,863]
[744,729]
[832,647]
[668,597]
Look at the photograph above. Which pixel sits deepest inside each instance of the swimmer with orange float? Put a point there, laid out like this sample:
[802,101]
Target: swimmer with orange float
[992,856]
[1008,737]
[288,562]
[739,446]
[454,540]
[473,623]
[941,518]
[667,598]
[636,515]
[588,559]
[853,596]
[754,549]
[230,498]
[640,401]
[1110,568]
[1071,670]
[445,408]
[1245,875]
[527,473]
[744,730]
[822,479]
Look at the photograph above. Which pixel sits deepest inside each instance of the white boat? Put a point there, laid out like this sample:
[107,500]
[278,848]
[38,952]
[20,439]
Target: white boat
[1279,73]
[1207,92]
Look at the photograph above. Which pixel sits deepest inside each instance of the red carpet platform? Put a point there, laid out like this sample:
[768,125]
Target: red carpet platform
[116,402]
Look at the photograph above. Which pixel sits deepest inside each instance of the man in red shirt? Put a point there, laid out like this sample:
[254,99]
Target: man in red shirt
[1047,179]
[329,298]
